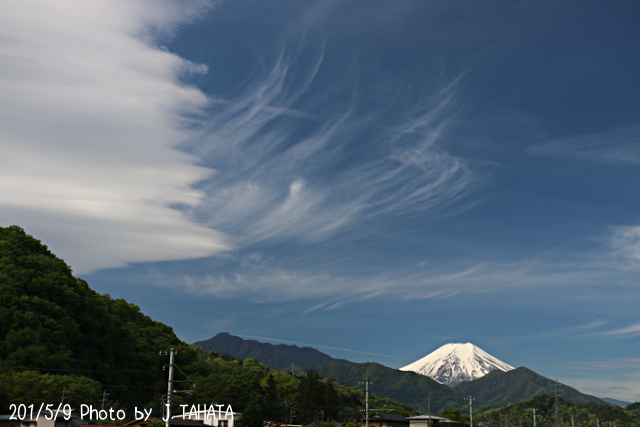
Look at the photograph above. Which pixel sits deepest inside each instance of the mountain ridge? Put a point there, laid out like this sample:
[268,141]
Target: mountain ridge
[407,387]
[499,388]
[275,356]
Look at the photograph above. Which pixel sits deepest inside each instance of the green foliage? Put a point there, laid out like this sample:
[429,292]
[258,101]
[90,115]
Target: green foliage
[499,388]
[239,383]
[410,388]
[252,416]
[521,414]
[53,323]
[32,387]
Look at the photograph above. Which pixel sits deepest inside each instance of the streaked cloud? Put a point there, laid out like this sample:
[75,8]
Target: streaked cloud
[574,331]
[285,279]
[301,162]
[617,146]
[93,115]
[627,331]
[625,245]
[617,388]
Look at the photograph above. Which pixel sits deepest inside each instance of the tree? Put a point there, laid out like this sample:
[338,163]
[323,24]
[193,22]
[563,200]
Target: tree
[252,415]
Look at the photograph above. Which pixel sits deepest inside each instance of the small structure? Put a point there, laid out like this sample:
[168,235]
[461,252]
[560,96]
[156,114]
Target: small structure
[208,418]
[63,419]
[431,421]
[175,422]
[384,419]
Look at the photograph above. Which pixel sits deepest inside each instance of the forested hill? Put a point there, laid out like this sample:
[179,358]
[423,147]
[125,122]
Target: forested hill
[409,388]
[499,388]
[278,357]
[56,332]
[560,412]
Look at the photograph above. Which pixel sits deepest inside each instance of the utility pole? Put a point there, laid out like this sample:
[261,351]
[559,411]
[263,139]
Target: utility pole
[286,411]
[366,411]
[470,399]
[534,417]
[104,398]
[172,362]
[64,395]
[557,405]
[429,409]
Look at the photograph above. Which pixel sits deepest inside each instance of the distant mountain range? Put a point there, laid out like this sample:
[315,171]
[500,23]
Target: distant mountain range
[501,386]
[453,364]
[620,403]
[277,357]
[498,388]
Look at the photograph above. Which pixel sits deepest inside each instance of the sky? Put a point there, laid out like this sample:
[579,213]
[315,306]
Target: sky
[373,179]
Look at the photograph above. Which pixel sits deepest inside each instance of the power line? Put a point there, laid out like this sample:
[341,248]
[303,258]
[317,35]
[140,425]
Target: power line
[25,368]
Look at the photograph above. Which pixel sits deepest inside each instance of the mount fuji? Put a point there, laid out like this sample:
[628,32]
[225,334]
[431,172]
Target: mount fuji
[452,364]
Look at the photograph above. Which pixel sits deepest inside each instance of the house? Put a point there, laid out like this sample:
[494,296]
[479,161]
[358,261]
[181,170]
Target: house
[184,420]
[430,421]
[210,417]
[69,419]
[6,421]
[384,419]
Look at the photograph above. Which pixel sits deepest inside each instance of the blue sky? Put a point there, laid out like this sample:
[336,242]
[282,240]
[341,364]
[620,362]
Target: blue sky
[373,179]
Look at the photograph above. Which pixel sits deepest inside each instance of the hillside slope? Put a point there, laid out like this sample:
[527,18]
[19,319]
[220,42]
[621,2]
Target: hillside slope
[409,388]
[499,388]
[57,332]
[277,357]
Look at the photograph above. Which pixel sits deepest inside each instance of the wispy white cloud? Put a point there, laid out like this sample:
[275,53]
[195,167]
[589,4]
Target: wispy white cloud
[614,378]
[611,364]
[617,146]
[623,388]
[92,114]
[573,331]
[627,331]
[625,245]
[299,162]
[272,279]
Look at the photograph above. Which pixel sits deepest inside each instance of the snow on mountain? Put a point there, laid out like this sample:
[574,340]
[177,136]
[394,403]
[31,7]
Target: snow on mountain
[452,364]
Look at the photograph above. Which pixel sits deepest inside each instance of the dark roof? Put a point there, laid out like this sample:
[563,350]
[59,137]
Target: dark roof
[389,417]
[174,422]
[433,418]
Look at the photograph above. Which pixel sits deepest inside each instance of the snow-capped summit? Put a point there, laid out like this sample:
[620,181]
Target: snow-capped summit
[452,364]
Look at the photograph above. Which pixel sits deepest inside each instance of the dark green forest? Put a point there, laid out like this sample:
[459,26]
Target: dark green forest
[58,334]
[561,412]
[407,387]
